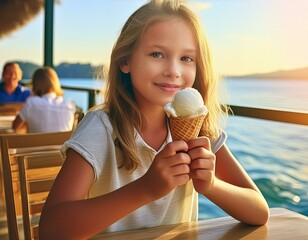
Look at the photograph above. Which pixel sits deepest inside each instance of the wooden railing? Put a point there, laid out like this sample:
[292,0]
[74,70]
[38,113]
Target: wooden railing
[279,115]
[296,117]
[90,90]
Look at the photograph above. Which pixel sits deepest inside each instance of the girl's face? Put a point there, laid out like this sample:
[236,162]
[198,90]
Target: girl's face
[163,63]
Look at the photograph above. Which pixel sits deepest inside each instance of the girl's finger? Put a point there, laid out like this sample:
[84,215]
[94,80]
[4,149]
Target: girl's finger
[199,142]
[173,148]
[202,164]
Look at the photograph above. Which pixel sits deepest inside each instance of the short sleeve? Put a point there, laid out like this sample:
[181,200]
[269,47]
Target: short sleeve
[91,140]
[217,144]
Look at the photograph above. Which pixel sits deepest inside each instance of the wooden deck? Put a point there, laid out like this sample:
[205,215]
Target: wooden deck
[283,224]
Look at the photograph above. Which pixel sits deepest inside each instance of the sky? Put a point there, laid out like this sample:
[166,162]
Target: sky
[246,36]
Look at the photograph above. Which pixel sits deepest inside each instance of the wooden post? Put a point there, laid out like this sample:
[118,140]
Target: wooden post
[48,33]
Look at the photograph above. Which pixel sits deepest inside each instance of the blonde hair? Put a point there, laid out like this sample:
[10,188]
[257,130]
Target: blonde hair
[45,80]
[120,103]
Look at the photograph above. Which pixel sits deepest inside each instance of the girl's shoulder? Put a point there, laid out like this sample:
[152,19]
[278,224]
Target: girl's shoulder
[99,114]
[32,99]
[96,119]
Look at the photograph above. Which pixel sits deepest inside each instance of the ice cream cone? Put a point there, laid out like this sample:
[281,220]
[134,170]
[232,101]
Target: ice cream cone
[186,128]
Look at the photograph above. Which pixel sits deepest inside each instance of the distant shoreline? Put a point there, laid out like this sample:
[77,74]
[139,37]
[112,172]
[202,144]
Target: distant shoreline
[266,78]
[296,74]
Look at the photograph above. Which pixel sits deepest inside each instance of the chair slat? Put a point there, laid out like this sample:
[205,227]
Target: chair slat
[36,207]
[39,173]
[42,185]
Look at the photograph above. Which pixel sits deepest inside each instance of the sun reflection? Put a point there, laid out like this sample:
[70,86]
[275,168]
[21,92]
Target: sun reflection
[296,199]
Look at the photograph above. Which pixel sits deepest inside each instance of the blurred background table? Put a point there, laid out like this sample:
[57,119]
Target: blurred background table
[6,124]
[8,112]
[10,109]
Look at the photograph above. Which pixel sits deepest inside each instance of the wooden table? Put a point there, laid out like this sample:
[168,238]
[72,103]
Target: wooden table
[6,123]
[7,109]
[8,112]
[283,224]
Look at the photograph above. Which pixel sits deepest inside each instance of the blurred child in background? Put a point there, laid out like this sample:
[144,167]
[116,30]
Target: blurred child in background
[46,110]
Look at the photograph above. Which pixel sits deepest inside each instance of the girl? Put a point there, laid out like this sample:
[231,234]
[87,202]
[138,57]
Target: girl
[46,111]
[122,156]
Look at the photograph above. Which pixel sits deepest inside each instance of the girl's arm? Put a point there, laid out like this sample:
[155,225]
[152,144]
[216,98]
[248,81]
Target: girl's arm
[223,180]
[68,215]
[18,124]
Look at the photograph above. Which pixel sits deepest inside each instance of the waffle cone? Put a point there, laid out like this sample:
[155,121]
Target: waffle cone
[186,128]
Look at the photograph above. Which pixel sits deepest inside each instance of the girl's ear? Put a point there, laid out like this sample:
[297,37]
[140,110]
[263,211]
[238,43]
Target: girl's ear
[124,67]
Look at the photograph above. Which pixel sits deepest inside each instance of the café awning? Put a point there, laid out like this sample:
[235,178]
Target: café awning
[15,14]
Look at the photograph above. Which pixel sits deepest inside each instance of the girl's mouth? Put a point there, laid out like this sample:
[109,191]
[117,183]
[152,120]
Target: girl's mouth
[168,87]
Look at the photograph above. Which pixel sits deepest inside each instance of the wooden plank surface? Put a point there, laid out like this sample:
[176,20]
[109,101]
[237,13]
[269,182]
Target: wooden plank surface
[283,224]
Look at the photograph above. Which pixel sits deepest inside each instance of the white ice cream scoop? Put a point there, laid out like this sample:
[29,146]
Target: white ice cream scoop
[186,103]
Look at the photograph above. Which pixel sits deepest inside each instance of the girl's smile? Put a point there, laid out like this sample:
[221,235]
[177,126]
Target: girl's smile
[172,88]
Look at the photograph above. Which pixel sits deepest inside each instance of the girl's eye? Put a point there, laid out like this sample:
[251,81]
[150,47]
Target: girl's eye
[187,59]
[157,55]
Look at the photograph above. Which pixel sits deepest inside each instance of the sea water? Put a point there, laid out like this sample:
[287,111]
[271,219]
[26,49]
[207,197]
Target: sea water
[274,154]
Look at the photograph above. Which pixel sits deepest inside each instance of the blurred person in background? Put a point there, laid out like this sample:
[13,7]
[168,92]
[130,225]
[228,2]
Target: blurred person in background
[46,110]
[10,89]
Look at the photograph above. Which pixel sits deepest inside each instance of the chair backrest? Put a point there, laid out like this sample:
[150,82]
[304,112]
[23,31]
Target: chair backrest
[15,146]
[36,176]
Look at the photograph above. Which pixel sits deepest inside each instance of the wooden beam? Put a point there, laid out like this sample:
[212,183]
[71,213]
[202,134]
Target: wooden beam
[48,33]
[297,117]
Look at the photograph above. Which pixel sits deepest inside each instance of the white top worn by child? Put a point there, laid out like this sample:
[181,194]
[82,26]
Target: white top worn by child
[180,205]
[46,111]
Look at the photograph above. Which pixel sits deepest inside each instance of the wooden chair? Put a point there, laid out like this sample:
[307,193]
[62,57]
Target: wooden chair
[36,176]
[14,147]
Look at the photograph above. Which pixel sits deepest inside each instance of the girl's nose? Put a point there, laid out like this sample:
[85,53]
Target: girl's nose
[172,69]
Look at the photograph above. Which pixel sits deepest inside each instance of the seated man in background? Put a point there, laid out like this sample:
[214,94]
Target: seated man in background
[10,89]
[46,111]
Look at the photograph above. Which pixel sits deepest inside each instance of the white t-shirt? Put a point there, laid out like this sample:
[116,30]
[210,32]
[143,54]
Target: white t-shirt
[48,113]
[94,140]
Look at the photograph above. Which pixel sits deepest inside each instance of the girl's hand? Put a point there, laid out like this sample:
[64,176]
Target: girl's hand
[202,166]
[170,168]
